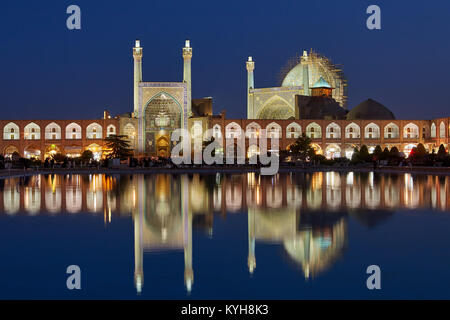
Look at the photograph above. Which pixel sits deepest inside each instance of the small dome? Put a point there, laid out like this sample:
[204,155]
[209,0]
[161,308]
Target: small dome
[370,110]
[320,108]
[321,83]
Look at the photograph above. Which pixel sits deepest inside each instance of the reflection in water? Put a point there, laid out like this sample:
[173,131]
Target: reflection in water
[305,213]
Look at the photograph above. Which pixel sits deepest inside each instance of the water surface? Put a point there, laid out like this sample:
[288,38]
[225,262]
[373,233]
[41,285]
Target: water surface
[225,236]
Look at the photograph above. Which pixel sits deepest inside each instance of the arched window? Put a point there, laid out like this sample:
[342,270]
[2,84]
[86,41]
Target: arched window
[333,131]
[110,130]
[94,131]
[73,131]
[11,132]
[442,130]
[433,130]
[313,131]
[411,131]
[293,130]
[372,131]
[232,130]
[391,131]
[252,130]
[52,131]
[352,131]
[130,131]
[32,131]
[217,132]
[273,130]
[197,130]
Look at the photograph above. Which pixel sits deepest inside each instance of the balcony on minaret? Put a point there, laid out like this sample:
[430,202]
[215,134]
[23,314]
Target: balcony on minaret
[187,50]
[250,64]
[137,50]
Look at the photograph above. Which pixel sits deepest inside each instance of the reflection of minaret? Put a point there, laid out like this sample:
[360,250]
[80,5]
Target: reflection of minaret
[158,227]
[187,233]
[308,249]
[251,260]
[138,215]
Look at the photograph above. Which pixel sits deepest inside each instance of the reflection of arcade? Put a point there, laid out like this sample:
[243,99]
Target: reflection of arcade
[312,240]
[332,191]
[229,193]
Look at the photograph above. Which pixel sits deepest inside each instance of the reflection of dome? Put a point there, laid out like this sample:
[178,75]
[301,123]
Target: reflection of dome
[316,250]
[370,110]
[372,218]
[275,224]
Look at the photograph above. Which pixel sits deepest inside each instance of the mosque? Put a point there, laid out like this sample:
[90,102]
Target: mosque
[311,100]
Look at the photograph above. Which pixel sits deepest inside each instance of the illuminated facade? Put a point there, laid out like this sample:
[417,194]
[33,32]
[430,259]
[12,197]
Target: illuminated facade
[310,101]
[43,138]
[338,138]
[300,76]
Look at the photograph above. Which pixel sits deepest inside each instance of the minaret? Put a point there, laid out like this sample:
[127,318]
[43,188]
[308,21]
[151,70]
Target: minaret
[250,85]
[187,56]
[305,67]
[137,56]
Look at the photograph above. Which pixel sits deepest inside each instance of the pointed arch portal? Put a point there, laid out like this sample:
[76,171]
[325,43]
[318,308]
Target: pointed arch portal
[163,114]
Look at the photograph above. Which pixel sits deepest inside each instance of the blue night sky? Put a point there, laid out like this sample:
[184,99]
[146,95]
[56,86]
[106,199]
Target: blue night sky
[50,72]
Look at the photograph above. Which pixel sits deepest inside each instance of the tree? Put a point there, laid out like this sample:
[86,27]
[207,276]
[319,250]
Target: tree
[441,152]
[421,149]
[385,154]
[302,148]
[58,157]
[377,152]
[355,155]
[394,151]
[364,153]
[418,154]
[15,156]
[118,146]
[87,155]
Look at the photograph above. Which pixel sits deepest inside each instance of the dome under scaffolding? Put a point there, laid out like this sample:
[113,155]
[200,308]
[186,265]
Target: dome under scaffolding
[318,67]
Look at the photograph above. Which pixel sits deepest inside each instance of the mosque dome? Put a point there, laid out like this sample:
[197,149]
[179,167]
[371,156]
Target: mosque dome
[370,110]
[318,66]
[320,107]
[321,83]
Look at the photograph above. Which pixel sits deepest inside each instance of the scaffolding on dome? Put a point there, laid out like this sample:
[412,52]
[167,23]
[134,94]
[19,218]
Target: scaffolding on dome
[322,66]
